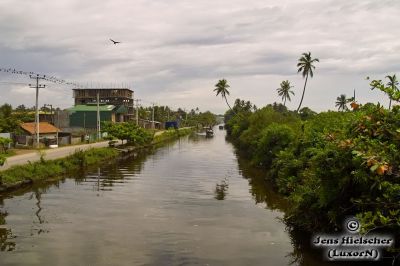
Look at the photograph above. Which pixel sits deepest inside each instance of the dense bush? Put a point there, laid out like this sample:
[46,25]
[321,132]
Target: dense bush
[130,132]
[274,138]
[329,165]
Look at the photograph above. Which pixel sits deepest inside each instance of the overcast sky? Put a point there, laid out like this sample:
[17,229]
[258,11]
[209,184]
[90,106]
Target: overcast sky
[173,52]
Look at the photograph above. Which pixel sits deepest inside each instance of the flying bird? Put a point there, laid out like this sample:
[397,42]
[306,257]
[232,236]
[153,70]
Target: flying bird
[114,42]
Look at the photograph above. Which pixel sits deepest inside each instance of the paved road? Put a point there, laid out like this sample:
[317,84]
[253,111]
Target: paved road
[50,154]
[57,153]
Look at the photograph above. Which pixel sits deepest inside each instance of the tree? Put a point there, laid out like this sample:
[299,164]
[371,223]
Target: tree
[306,113]
[284,91]
[4,142]
[130,132]
[5,110]
[222,88]
[393,82]
[390,89]
[341,102]
[305,66]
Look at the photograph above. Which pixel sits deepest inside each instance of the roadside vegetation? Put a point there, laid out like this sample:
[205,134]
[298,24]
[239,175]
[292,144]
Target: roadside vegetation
[4,151]
[171,134]
[129,132]
[50,169]
[47,170]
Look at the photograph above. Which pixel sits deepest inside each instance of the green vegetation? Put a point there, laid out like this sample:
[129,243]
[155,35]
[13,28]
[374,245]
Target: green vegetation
[328,165]
[390,88]
[11,119]
[341,102]
[47,169]
[133,134]
[222,88]
[305,66]
[4,142]
[44,170]
[206,119]
[162,114]
[171,134]
[284,91]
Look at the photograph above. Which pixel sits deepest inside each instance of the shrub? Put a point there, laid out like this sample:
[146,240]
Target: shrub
[273,139]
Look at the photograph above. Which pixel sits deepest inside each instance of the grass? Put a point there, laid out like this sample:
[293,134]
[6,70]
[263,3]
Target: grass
[45,170]
[171,134]
[48,169]
[9,153]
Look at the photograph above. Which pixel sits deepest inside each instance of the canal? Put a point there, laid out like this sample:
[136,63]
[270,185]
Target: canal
[190,202]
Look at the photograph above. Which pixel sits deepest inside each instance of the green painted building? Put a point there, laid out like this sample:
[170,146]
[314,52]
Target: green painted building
[85,116]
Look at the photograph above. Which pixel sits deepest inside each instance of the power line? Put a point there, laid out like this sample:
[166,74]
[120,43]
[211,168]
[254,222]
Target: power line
[16,83]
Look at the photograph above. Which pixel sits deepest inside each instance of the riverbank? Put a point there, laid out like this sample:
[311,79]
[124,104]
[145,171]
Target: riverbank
[42,169]
[329,165]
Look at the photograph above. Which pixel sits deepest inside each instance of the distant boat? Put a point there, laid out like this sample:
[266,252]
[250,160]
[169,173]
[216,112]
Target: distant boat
[209,133]
[221,127]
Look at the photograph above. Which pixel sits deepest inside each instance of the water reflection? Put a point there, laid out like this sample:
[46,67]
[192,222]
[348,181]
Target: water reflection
[261,189]
[6,236]
[155,208]
[221,189]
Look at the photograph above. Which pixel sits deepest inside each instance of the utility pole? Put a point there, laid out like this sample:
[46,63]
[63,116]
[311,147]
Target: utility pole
[98,116]
[37,87]
[137,111]
[168,114]
[51,112]
[185,116]
[152,122]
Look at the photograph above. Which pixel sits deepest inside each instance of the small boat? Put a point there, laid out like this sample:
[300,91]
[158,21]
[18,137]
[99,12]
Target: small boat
[221,127]
[209,133]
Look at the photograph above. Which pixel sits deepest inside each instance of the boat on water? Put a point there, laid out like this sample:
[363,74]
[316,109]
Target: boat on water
[209,133]
[221,127]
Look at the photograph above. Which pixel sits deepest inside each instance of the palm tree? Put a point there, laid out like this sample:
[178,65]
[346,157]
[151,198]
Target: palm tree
[306,67]
[284,91]
[393,82]
[341,102]
[222,88]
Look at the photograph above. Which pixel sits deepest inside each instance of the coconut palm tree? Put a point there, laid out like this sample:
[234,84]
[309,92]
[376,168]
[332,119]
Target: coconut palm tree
[393,82]
[284,91]
[341,102]
[222,88]
[305,66]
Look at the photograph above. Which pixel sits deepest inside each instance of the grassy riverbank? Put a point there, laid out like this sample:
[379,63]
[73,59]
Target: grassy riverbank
[171,134]
[43,170]
[328,165]
[48,169]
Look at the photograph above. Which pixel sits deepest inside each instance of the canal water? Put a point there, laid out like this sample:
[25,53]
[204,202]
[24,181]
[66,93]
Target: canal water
[190,202]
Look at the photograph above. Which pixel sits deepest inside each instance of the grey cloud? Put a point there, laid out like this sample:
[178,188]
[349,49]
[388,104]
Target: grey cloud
[175,45]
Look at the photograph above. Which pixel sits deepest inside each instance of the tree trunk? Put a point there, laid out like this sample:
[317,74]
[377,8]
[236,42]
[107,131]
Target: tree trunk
[302,96]
[226,100]
[284,102]
[390,102]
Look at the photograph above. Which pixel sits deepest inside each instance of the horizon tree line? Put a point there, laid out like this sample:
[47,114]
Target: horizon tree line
[306,66]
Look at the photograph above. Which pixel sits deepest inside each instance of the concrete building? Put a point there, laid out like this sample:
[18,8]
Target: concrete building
[85,116]
[121,98]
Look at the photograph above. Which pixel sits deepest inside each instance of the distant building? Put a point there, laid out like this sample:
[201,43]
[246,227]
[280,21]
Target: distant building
[85,116]
[47,133]
[121,98]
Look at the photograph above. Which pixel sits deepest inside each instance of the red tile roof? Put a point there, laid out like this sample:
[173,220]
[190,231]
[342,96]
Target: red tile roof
[44,128]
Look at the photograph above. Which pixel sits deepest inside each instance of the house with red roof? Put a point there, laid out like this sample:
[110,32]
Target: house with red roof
[47,133]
